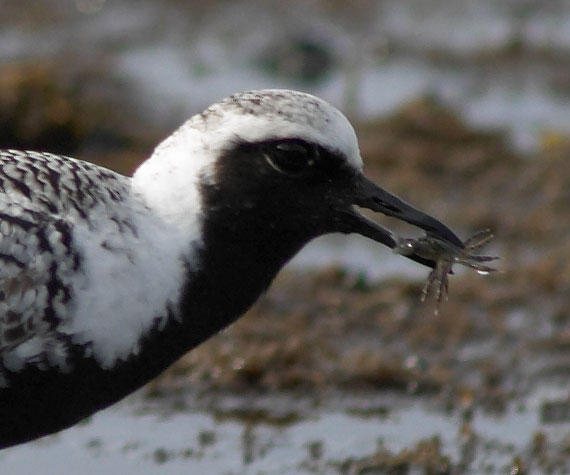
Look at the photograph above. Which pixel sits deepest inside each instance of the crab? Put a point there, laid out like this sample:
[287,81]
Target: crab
[445,254]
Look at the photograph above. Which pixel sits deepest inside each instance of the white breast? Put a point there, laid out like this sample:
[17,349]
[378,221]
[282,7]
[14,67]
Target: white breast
[129,281]
[83,260]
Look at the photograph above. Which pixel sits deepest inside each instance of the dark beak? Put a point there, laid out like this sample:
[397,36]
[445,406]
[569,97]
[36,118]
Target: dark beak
[366,194]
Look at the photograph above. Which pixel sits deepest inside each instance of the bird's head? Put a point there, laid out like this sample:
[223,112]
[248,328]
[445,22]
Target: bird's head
[276,164]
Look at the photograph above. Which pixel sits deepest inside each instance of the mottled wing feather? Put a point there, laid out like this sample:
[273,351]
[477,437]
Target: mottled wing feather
[42,196]
[35,264]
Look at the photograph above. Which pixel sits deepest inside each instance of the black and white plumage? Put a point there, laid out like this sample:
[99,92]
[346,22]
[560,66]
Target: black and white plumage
[105,280]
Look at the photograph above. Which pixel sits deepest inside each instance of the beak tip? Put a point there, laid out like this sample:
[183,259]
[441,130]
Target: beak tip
[377,199]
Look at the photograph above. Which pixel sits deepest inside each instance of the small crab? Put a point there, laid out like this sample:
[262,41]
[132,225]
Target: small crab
[445,254]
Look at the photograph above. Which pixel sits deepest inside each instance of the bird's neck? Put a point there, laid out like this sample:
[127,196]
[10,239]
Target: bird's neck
[238,265]
[235,269]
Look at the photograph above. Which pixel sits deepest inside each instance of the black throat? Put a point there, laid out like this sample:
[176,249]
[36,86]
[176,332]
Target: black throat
[242,256]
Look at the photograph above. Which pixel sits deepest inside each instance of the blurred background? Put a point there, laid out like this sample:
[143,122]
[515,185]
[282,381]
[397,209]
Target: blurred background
[462,108]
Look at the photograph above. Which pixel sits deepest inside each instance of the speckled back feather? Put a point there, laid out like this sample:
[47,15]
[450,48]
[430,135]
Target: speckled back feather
[42,197]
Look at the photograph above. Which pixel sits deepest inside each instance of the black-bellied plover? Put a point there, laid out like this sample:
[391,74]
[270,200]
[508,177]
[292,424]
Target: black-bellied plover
[105,280]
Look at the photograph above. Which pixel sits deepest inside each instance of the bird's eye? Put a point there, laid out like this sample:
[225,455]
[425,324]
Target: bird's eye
[292,158]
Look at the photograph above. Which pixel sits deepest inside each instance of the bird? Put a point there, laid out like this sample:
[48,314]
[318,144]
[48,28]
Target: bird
[106,280]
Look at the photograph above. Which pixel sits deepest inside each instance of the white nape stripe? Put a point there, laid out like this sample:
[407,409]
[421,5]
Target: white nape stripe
[169,181]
